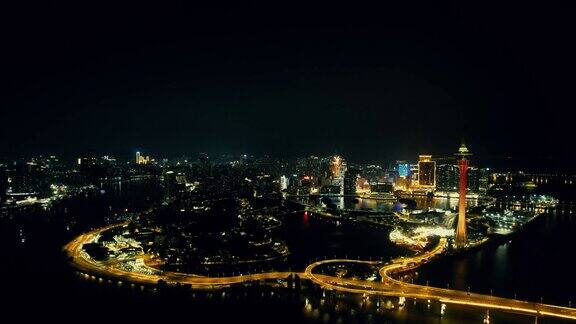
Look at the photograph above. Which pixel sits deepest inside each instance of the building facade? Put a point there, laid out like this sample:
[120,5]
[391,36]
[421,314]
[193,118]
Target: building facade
[426,172]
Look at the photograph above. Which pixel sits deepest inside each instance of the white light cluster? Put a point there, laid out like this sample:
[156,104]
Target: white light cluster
[418,238]
[434,231]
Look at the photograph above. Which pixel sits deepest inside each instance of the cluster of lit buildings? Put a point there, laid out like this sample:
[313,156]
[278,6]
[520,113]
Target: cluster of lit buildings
[142,159]
[331,175]
[29,178]
[439,176]
[314,175]
[419,237]
[334,176]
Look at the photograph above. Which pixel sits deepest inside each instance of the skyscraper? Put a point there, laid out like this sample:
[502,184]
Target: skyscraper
[461,231]
[403,168]
[473,178]
[447,177]
[336,167]
[283,182]
[350,179]
[426,171]
[484,180]
[141,159]
[337,172]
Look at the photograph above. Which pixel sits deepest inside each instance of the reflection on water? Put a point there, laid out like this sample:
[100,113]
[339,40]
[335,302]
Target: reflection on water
[442,203]
[366,204]
[534,263]
[309,237]
[387,205]
[326,306]
[500,261]
[372,205]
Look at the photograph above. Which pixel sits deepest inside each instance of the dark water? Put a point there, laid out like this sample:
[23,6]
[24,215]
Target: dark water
[537,262]
[386,206]
[379,205]
[310,237]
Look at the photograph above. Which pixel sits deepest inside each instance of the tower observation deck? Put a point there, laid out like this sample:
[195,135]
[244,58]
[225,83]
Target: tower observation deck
[461,230]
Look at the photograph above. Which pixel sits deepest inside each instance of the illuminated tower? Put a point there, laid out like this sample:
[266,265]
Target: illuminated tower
[137,157]
[461,232]
[336,166]
[337,172]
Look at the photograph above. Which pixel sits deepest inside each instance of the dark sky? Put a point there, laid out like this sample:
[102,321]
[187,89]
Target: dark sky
[371,83]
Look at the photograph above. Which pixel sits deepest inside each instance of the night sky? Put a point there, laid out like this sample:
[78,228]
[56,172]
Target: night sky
[371,83]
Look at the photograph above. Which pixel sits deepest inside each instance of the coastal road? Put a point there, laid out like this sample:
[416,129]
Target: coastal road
[389,286]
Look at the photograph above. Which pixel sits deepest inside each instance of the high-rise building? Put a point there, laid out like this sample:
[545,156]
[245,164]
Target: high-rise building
[170,183]
[473,179]
[336,167]
[284,182]
[311,168]
[447,177]
[484,179]
[413,175]
[403,169]
[141,159]
[337,172]
[374,173]
[461,230]
[426,171]
[350,180]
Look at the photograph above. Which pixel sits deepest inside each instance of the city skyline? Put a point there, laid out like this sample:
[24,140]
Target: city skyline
[276,162]
[504,163]
[214,224]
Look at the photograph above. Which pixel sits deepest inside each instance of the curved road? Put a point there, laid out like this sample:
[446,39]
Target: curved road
[387,287]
